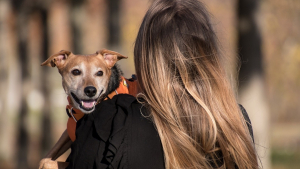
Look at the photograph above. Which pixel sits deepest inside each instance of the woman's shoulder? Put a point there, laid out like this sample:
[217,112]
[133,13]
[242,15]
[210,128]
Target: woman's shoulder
[144,145]
[135,117]
[137,114]
[131,105]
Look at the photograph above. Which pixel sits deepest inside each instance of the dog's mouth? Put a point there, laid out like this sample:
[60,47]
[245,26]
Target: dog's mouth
[86,104]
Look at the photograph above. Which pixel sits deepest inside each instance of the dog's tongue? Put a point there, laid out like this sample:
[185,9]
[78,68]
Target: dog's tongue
[88,104]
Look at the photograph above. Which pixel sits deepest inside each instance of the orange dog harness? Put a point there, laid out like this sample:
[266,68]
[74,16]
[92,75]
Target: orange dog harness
[125,87]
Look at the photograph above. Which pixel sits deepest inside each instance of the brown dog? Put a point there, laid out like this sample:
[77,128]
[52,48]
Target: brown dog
[86,79]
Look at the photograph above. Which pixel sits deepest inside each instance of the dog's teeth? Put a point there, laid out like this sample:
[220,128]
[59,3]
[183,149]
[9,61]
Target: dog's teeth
[82,103]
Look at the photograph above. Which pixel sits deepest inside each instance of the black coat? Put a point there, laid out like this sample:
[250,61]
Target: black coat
[118,135]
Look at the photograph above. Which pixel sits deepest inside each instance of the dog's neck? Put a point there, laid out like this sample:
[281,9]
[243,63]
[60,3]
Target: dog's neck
[115,78]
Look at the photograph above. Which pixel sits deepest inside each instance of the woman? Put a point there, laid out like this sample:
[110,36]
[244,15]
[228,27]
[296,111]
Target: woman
[186,115]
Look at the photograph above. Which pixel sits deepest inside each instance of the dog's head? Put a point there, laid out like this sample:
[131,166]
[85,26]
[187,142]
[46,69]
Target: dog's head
[84,77]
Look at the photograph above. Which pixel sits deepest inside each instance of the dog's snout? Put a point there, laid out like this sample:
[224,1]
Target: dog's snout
[90,91]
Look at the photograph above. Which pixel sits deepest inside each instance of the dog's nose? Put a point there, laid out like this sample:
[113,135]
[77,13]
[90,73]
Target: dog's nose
[90,91]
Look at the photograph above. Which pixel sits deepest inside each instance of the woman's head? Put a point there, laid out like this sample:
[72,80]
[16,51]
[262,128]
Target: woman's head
[181,80]
[175,38]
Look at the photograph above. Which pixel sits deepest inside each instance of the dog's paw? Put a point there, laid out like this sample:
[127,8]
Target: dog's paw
[44,162]
[47,163]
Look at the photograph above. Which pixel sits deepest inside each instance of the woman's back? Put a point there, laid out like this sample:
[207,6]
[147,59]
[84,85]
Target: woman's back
[119,134]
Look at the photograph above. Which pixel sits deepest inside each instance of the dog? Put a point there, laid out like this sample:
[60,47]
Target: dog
[87,80]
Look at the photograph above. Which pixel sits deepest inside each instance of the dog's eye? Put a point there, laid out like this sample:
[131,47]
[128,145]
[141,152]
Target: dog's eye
[76,72]
[99,73]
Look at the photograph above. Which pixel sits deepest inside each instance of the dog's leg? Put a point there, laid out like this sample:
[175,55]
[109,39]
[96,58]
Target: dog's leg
[62,145]
[47,163]
[63,149]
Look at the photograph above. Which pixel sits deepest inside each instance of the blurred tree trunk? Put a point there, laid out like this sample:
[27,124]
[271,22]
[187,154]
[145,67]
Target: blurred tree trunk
[9,85]
[251,77]
[21,11]
[46,133]
[76,18]
[114,29]
[35,98]
[87,24]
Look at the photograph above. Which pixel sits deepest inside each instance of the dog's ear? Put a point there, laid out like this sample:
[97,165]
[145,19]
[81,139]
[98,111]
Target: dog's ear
[110,57]
[57,59]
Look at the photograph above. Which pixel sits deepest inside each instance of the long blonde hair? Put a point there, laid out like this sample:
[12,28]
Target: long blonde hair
[184,86]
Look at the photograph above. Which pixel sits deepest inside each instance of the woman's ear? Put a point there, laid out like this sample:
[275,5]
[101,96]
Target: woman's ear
[110,57]
[57,59]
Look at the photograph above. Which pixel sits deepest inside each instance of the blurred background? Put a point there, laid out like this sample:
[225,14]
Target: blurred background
[262,34]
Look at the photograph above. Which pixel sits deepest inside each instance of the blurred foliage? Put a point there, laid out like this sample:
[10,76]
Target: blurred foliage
[285,159]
